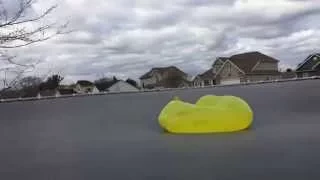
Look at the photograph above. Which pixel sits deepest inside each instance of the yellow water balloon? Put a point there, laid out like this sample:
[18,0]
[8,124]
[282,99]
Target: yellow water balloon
[210,114]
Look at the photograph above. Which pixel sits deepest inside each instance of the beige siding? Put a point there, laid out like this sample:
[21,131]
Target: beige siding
[198,82]
[254,78]
[86,89]
[149,81]
[122,86]
[164,75]
[203,82]
[229,74]
[216,66]
[244,79]
[229,71]
[266,66]
[95,90]
[78,88]
[155,78]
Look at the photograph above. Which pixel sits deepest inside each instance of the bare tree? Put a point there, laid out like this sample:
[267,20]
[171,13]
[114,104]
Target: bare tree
[16,71]
[15,28]
[18,29]
[29,81]
[52,82]
[29,86]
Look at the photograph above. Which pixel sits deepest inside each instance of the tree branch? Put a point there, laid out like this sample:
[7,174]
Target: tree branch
[48,11]
[28,39]
[25,35]
[10,60]
[18,71]
[18,15]
[15,32]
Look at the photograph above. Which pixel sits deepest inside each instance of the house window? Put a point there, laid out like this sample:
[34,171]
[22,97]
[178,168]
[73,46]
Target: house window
[305,75]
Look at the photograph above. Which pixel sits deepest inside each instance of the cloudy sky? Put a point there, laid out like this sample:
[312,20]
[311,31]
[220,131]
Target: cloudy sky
[127,37]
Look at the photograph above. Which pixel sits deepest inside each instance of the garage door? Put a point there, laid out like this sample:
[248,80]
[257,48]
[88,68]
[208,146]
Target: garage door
[230,81]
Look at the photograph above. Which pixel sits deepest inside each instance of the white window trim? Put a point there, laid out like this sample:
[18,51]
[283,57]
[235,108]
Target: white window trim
[317,64]
[255,66]
[305,61]
[218,59]
[231,64]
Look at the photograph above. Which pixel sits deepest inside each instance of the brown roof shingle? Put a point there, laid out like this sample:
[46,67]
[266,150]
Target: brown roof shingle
[161,70]
[207,75]
[246,61]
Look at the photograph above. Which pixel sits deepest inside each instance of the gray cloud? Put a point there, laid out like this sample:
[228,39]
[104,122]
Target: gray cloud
[193,3]
[127,38]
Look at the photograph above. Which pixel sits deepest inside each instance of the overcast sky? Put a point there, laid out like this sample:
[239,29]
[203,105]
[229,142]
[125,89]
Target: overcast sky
[126,37]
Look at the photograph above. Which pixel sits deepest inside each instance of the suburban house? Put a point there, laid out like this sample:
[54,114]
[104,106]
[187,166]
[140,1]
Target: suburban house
[163,77]
[245,67]
[122,86]
[84,86]
[205,79]
[310,66]
[104,84]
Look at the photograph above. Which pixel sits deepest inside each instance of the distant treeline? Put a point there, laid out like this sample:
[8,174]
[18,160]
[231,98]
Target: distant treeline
[31,86]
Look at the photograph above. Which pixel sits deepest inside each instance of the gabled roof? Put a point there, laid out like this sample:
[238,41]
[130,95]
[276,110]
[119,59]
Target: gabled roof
[207,74]
[85,83]
[220,61]
[246,61]
[222,58]
[309,63]
[147,75]
[162,70]
[254,55]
